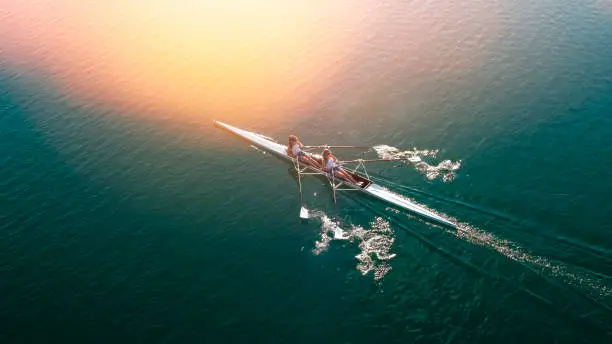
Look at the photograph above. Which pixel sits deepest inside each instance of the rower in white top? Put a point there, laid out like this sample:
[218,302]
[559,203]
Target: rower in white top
[294,150]
[330,166]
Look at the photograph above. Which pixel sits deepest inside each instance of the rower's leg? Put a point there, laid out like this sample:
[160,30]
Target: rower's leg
[311,161]
[304,159]
[315,162]
[347,176]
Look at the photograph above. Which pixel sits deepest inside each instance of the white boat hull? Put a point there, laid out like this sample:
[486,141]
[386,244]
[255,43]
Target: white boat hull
[372,189]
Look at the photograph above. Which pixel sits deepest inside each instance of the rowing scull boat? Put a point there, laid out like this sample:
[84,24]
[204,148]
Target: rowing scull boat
[366,185]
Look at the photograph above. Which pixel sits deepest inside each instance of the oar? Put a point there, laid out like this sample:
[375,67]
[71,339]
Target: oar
[411,159]
[303,210]
[348,147]
[333,185]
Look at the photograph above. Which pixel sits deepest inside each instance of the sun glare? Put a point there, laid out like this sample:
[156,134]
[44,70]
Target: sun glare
[190,57]
[241,59]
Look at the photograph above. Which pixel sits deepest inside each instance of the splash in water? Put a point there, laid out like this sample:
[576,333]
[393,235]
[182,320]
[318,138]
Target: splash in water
[375,244]
[445,170]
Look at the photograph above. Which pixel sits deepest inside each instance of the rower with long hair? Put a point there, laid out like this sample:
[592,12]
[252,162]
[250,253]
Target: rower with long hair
[294,150]
[330,166]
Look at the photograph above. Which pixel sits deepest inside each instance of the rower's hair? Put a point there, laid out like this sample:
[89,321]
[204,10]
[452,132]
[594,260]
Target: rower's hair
[293,138]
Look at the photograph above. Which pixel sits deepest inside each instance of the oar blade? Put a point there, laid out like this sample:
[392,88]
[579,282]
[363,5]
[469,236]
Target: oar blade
[339,234]
[347,147]
[304,214]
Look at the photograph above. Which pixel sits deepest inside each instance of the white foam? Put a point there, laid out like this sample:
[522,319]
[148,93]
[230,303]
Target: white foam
[445,170]
[375,243]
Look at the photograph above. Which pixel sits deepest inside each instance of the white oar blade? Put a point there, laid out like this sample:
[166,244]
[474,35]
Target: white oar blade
[304,213]
[339,234]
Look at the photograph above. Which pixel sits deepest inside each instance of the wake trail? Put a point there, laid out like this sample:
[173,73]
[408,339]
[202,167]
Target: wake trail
[521,223]
[593,285]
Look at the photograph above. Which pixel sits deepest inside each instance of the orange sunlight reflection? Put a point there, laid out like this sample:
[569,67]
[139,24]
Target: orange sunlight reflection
[239,59]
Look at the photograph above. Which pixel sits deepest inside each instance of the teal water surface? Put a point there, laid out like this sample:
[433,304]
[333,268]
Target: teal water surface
[116,227]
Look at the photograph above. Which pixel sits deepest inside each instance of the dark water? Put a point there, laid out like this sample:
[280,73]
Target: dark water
[116,227]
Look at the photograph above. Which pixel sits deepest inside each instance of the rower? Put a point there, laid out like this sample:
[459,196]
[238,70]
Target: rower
[294,150]
[329,166]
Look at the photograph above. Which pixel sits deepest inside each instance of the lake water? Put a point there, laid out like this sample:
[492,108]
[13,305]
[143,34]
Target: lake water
[126,216]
